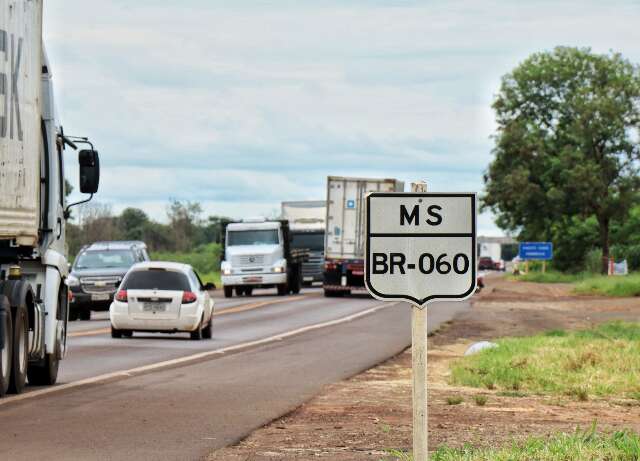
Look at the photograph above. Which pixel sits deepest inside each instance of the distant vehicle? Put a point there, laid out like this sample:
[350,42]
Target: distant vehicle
[485,263]
[162,297]
[345,231]
[33,206]
[97,272]
[307,223]
[258,254]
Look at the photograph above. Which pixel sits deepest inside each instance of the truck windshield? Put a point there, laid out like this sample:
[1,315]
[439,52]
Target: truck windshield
[313,241]
[253,237]
[104,259]
[156,280]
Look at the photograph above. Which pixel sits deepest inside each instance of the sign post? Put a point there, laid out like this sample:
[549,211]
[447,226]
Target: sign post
[421,247]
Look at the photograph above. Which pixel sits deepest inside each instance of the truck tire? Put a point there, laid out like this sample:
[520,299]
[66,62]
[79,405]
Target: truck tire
[283,289]
[240,291]
[248,291]
[73,315]
[7,346]
[20,359]
[228,292]
[85,314]
[45,372]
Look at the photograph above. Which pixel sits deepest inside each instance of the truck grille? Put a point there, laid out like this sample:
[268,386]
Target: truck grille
[248,260]
[97,285]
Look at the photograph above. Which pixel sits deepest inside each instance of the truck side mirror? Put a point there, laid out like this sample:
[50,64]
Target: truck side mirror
[89,171]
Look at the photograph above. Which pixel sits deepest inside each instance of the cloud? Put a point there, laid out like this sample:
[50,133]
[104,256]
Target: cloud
[241,105]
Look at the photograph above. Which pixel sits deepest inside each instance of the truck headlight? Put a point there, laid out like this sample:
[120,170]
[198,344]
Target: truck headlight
[279,266]
[278,269]
[226,268]
[73,281]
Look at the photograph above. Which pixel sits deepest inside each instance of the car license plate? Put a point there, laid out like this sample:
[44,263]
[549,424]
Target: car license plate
[154,307]
[252,279]
[100,297]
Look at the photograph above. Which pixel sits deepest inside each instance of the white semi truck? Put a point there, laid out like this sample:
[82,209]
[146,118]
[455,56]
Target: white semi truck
[33,265]
[307,223]
[258,254]
[345,232]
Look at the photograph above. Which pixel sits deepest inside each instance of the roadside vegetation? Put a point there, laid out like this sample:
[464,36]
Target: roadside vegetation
[579,446]
[599,362]
[204,258]
[547,277]
[588,283]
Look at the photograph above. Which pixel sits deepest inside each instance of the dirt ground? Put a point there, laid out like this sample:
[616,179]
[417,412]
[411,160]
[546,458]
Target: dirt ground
[366,416]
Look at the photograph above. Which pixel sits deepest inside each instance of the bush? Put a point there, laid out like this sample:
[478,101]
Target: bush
[205,259]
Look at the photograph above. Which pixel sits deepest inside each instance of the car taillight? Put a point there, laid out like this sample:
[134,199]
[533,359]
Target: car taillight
[329,266]
[188,297]
[122,296]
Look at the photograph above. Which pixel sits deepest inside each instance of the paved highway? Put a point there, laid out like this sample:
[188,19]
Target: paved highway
[158,396]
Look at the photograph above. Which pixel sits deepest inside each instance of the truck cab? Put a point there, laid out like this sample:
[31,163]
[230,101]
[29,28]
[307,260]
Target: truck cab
[257,254]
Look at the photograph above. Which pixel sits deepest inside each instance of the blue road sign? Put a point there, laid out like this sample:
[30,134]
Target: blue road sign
[536,250]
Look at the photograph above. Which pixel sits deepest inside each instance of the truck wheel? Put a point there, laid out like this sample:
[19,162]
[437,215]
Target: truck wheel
[20,350]
[248,291]
[228,292]
[73,315]
[7,347]
[46,372]
[283,289]
[296,285]
[239,291]
[85,314]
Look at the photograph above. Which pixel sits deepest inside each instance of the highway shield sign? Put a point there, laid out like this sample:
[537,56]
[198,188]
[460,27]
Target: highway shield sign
[421,246]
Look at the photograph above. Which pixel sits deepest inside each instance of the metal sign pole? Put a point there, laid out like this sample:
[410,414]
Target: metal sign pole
[419,363]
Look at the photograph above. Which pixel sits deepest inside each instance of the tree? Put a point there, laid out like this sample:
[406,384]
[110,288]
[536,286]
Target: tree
[184,220]
[566,143]
[133,223]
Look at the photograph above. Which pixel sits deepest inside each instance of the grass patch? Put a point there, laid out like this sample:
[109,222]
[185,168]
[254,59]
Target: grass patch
[579,446]
[481,400]
[547,277]
[454,400]
[623,286]
[205,259]
[603,361]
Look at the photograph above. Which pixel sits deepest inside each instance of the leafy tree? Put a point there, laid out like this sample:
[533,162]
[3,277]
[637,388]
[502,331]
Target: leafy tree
[184,220]
[566,143]
[133,223]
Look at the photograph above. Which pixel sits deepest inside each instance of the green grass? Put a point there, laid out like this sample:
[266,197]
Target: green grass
[600,362]
[454,400]
[481,400]
[547,277]
[619,285]
[579,446]
[204,259]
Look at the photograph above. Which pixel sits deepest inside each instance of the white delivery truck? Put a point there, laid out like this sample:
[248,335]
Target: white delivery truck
[307,223]
[345,231]
[33,266]
[258,254]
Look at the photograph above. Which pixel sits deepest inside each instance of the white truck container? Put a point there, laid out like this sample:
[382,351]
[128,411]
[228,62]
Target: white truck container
[345,231]
[33,266]
[307,224]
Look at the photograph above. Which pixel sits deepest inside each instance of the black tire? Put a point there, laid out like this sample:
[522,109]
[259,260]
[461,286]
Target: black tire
[207,332]
[228,292]
[45,373]
[196,334]
[248,291]
[73,314]
[115,333]
[20,355]
[85,314]
[127,333]
[330,293]
[6,352]
[283,289]
[239,291]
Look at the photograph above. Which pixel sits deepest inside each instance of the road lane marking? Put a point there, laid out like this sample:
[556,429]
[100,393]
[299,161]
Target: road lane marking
[193,358]
[229,310]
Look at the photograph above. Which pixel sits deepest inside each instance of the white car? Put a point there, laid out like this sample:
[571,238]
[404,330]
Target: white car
[162,297]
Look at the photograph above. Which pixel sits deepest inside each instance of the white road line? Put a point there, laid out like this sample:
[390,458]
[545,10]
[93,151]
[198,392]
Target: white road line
[189,358]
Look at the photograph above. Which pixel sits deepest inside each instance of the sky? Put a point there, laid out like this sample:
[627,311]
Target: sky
[242,105]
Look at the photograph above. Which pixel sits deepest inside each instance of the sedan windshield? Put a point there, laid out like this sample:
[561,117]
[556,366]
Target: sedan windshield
[105,259]
[253,237]
[156,279]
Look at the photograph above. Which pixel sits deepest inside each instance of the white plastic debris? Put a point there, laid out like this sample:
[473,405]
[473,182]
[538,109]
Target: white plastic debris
[480,346]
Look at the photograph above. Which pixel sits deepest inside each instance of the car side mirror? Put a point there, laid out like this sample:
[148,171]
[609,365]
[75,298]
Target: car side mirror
[89,171]
[209,286]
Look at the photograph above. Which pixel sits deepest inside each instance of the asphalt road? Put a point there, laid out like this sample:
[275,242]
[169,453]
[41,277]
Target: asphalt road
[158,396]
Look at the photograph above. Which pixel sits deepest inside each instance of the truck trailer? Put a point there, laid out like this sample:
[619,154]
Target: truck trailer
[33,265]
[307,223]
[258,254]
[345,231]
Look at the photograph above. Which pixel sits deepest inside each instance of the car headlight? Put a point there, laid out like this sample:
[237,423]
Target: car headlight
[73,281]
[226,268]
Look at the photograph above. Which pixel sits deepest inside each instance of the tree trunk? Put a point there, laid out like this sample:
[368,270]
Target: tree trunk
[604,243]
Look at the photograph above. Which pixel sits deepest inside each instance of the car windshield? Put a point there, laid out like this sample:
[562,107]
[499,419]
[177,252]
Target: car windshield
[253,237]
[313,241]
[156,279]
[102,259]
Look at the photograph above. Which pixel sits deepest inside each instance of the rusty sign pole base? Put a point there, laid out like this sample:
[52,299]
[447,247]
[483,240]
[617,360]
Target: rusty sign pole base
[419,364]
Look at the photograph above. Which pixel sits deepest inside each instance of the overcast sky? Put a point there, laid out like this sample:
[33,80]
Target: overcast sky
[240,105]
